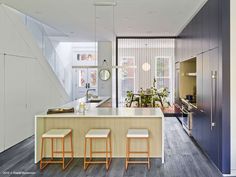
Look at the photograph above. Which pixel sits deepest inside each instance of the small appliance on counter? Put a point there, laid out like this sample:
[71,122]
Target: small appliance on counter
[60,110]
[191,98]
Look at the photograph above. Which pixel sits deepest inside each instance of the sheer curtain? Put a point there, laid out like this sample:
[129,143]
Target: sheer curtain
[153,58]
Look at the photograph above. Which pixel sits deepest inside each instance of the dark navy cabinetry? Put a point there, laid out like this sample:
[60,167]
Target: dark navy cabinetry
[201,34]
[202,38]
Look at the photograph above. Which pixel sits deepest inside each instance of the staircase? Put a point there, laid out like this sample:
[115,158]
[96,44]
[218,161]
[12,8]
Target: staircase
[43,41]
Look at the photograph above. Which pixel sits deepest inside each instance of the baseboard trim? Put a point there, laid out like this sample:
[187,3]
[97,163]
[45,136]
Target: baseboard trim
[233,173]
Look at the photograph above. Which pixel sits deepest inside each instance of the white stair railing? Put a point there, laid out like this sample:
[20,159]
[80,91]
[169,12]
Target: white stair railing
[37,30]
[48,50]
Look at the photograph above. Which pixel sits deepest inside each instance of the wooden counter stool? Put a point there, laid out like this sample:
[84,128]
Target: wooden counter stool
[57,134]
[95,134]
[137,134]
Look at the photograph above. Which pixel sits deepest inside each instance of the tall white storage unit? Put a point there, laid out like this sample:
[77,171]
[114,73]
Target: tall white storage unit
[28,86]
[15,100]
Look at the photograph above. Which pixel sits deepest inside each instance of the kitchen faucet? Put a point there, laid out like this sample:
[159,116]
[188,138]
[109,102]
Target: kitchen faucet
[88,92]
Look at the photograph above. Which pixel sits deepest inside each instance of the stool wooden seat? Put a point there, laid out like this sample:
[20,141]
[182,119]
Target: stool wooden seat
[94,134]
[137,134]
[55,134]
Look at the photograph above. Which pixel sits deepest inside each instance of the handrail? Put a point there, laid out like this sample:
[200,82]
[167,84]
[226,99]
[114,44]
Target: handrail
[48,50]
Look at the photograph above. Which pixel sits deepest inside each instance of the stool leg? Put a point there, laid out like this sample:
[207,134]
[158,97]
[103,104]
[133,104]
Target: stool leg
[71,146]
[52,148]
[126,154]
[63,153]
[107,153]
[127,149]
[41,161]
[129,140]
[110,147]
[85,146]
[148,150]
[91,148]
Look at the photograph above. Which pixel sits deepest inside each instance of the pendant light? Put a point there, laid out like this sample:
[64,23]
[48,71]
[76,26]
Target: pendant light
[146,66]
[105,63]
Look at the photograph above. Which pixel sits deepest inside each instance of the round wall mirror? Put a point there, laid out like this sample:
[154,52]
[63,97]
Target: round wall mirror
[104,74]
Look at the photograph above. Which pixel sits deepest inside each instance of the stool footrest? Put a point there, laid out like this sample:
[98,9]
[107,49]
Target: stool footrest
[60,152]
[100,152]
[52,161]
[138,152]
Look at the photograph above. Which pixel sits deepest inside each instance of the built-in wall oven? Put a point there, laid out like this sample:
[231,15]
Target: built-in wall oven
[187,117]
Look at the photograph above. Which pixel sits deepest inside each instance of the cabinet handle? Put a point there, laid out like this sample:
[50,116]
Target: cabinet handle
[184,111]
[213,95]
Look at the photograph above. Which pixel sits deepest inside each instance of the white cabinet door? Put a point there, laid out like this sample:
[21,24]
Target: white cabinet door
[1,103]
[15,100]
[33,96]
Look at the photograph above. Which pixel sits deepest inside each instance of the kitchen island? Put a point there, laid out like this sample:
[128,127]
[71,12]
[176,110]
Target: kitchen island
[119,120]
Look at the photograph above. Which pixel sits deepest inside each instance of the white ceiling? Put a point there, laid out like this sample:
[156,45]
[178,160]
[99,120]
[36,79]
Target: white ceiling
[76,18]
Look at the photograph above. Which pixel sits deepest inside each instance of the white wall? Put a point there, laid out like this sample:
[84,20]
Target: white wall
[28,85]
[233,83]
[2,127]
[105,53]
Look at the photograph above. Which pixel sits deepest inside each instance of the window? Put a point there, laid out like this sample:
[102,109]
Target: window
[84,54]
[152,58]
[163,73]
[86,57]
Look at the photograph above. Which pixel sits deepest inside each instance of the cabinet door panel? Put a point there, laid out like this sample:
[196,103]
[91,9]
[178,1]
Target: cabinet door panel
[2,118]
[15,96]
[199,81]
[214,23]
[205,27]
[194,37]
[34,89]
[198,115]
[214,136]
[197,131]
[206,101]
[199,33]
[210,141]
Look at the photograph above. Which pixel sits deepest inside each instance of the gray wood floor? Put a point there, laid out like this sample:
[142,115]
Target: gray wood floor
[182,159]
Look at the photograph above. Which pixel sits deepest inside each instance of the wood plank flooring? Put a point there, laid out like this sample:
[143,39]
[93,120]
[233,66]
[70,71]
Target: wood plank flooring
[182,159]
